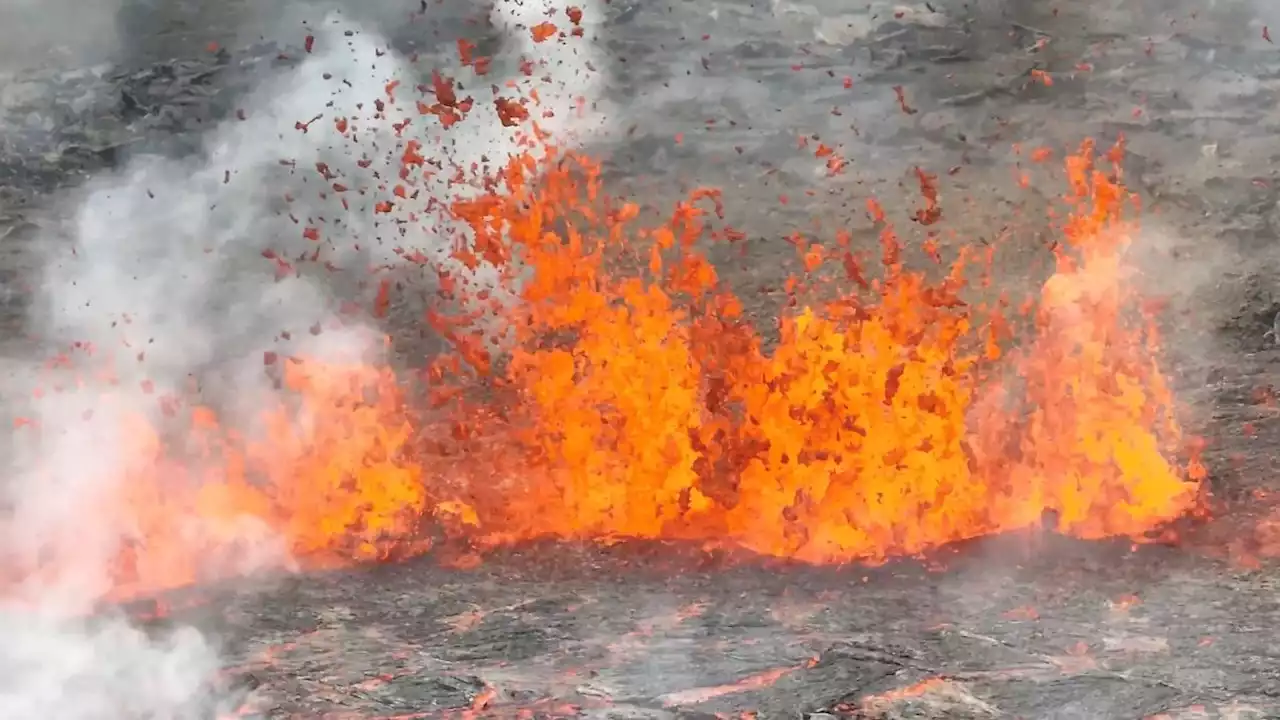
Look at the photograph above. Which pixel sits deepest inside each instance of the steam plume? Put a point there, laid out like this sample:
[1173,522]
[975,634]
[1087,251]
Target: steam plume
[165,278]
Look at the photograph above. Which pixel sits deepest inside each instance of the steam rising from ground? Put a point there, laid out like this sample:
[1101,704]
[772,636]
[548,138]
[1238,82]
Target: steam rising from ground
[166,278]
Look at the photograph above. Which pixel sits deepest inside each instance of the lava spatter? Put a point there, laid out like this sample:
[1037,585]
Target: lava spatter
[621,390]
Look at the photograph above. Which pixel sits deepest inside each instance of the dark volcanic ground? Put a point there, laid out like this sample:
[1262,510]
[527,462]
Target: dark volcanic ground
[1012,628]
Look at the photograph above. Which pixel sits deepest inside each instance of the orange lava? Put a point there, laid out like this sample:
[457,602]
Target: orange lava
[887,417]
[755,681]
[872,427]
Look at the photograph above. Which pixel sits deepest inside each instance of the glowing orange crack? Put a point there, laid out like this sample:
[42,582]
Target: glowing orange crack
[755,681]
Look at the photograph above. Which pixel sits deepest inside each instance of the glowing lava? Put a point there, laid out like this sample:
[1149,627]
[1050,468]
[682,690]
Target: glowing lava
[872,427]
[643,403]
[635,398]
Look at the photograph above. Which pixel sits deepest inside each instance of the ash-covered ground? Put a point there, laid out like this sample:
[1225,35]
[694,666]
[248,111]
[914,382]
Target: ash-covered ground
[717,93]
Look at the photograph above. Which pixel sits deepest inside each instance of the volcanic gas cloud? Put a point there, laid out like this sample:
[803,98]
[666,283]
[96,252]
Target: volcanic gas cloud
[609,384]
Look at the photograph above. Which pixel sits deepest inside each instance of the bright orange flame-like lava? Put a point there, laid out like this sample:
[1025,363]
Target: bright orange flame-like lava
[637,399]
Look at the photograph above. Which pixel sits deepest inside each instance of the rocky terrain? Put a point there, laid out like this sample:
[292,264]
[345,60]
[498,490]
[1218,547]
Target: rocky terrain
[716,93]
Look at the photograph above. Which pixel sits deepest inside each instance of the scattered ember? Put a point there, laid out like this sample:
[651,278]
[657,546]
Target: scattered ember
[931,213]
[901,93]
[543,31]
[1042,77]
[510,112]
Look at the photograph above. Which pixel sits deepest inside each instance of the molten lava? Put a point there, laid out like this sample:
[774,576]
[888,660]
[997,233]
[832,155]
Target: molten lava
[630,395]
[875,425]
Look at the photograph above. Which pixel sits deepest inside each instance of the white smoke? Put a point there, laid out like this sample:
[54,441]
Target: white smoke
[176,270]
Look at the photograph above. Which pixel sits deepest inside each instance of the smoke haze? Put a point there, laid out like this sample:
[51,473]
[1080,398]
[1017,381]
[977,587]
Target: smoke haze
[174,272]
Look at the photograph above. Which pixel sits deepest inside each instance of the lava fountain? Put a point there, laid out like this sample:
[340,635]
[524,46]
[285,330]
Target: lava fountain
[611,385]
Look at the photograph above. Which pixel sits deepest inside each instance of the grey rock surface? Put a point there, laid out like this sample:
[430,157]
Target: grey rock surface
[1070,631]
[726,87]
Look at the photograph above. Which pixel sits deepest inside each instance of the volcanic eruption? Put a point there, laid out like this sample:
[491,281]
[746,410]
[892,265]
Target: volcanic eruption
[595,376]
[625,394]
